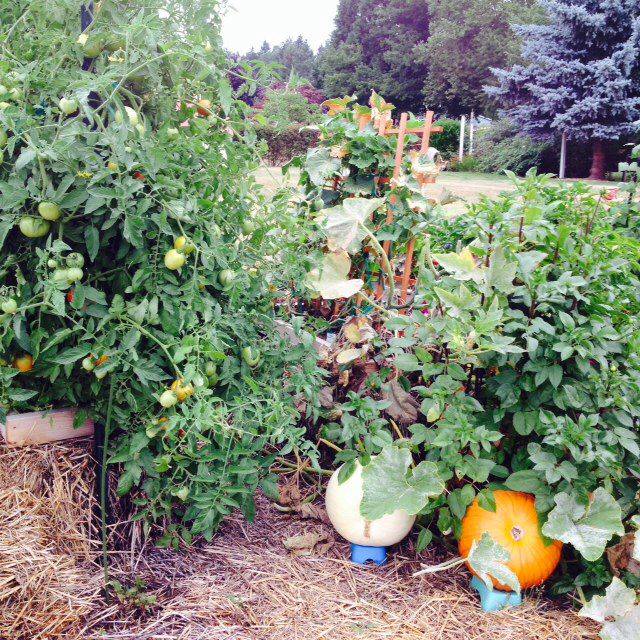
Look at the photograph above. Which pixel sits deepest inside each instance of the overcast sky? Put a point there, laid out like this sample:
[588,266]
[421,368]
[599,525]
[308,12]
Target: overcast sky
[249,23]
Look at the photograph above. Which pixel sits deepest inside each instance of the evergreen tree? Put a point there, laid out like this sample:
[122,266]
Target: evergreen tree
[293,55]
[581,74]
[468,38]
[375,45]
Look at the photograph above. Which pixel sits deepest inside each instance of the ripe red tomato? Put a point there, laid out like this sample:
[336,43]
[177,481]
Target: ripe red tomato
[139,176]
[71,294]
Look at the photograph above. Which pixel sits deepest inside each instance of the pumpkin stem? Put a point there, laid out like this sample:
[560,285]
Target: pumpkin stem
[517,533]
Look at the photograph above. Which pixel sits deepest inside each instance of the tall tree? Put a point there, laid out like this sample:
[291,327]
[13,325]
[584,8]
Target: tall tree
[293,55]
[468,38]
[374,46]
[581,74]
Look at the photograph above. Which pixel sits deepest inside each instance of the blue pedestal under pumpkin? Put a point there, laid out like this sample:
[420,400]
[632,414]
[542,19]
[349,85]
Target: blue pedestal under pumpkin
[361,554]
[492,600]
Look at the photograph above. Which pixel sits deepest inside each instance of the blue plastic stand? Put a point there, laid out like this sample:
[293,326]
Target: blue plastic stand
[492,600]
[361,554]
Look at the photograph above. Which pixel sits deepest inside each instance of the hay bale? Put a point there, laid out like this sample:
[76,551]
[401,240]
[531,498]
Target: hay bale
[48,542]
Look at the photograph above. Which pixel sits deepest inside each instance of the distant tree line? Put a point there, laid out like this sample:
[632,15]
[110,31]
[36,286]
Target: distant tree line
[550,66]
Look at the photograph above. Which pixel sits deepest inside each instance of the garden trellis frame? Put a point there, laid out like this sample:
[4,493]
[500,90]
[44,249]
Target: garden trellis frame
[425,130]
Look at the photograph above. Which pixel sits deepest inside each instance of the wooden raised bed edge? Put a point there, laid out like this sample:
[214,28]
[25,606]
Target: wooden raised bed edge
[39,427]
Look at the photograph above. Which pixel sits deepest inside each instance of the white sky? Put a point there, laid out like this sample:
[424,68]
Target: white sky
[249,23]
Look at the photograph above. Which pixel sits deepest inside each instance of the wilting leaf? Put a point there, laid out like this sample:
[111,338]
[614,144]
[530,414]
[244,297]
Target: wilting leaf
[389,484]
[488,560]
[332,281]
[587,528]
[349,355]
[358,330]
[403,407]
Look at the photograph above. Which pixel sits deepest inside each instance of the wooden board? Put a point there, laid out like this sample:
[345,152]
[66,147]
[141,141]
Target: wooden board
[39,427]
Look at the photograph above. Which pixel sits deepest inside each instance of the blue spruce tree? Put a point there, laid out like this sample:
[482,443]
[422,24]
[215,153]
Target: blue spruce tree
[581,74]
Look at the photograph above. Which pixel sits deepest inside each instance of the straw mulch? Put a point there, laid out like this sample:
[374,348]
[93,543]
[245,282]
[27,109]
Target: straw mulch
[245,585]
[48,580]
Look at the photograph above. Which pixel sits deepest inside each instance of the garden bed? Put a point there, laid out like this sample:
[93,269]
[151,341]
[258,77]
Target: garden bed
[244,584]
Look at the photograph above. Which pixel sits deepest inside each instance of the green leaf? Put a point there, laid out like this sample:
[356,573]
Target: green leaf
[389,484]
[462,266]
[343,224]
[488,560]
[501,272]
[73,354]
[588,528]
[528,481]
[424,540]
[320,165]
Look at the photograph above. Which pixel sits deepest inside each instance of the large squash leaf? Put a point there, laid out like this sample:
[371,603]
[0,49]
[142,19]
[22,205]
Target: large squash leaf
[489,560]
[389,484]
[616,610]
[587,527]
[331,280]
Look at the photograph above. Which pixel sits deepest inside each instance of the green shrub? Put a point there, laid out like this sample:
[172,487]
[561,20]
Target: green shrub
[500,147]
[448,141]
[282,109]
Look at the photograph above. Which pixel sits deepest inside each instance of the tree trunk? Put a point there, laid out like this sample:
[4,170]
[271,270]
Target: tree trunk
[599,162]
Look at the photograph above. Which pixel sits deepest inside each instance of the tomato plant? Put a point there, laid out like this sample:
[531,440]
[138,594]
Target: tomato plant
[132,295]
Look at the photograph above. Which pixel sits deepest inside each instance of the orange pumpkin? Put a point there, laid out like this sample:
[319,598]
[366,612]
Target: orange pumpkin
[514,526]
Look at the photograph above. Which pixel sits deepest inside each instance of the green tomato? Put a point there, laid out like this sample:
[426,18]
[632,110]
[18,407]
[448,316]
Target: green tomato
[16,93]
[92,48]
[248,227]
[226,278]
[52,264]
[87,364]
[168,399]
[211,369]
[75,260]
[9,305]
[3,138]
[172,133]
[68,106]
[60,276]
[49,211]
[251,356]
[100,373]
[174,260]
[33,227]
[3,90]
[74,274]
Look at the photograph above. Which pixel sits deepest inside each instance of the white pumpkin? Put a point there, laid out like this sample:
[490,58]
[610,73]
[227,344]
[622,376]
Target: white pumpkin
[343,508]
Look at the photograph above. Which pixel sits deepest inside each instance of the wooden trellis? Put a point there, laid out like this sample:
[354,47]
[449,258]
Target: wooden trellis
[425,130]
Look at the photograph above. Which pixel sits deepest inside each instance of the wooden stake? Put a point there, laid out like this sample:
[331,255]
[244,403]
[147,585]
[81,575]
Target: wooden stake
[426,133]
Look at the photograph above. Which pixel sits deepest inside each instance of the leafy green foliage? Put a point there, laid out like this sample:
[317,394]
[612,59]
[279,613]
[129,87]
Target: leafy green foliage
[374,46]
[468,38]
[111,313]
